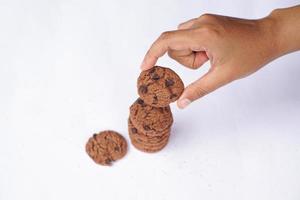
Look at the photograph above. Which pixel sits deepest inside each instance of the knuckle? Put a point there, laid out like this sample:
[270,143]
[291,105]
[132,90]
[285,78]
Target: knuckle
[206,16]
[180,25]
[207,29]
[200,92]
[210,30]
[165,35]
[276,11]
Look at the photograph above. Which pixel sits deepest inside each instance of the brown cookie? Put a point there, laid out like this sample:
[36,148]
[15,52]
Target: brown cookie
[150,120]
[148,148]
[159,86]
[147,143]
[141,137]
[106,146]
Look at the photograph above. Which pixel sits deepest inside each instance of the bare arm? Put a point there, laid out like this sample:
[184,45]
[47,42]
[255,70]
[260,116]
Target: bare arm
[287,23]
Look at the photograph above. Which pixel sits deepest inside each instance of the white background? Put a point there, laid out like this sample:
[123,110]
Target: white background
[68,69]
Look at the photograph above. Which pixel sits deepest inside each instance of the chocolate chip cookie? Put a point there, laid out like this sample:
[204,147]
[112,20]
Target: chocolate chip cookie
[139,136]
[159,86]
[149,148]
[150,120]
[106,147]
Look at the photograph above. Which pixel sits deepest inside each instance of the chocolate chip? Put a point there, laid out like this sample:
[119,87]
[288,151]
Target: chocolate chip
[155,76]
[161,110]
[117,149]
[108,161]
[140,101]
[95,136]
[152,70]
[143,89]
[139,140]
[169,82]
[173,96]
[147,128]
[134,130]
[155,100]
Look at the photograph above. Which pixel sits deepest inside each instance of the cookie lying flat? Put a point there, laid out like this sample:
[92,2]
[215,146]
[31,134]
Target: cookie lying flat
[150,120]
[134,133]
[146,145]
[159,86]
[106,146]
[148,148]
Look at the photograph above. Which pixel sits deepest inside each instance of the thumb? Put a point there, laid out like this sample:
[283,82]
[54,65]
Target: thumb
[211,81]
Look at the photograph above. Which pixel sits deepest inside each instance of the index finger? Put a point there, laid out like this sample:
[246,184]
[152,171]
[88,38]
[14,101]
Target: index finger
[175,40]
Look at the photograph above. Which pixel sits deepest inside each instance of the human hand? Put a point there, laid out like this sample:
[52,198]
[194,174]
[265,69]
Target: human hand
[235,48]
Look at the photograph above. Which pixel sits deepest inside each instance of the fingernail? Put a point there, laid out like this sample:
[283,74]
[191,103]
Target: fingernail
[183,103]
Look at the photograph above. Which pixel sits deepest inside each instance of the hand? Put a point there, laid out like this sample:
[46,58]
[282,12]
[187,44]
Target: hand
[235,48]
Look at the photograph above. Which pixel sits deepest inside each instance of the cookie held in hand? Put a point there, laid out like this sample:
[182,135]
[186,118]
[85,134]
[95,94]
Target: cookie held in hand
[159,86]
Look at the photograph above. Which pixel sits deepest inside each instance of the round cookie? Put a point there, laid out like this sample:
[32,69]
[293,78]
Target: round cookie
[141,137]
[159,86]
[150,120]
[106,146]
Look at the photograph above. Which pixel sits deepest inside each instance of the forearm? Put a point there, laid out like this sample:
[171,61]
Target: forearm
[286,28]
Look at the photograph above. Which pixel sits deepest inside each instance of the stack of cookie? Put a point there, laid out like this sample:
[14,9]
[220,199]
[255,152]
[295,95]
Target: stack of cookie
[150,120]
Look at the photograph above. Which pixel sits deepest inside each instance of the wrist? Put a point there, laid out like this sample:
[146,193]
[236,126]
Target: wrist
[270,38]
[284,28]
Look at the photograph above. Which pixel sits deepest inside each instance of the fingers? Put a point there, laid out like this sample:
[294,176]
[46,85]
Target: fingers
[206,84]
[189,58]
[200,58]
[175,40]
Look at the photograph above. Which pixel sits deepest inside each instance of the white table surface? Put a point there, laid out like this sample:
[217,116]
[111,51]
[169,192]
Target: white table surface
[69,68]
